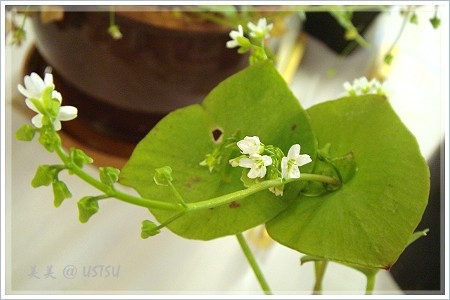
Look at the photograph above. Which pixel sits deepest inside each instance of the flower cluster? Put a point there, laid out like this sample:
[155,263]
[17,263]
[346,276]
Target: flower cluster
[257,158]
[42,98]
[256,40]
[259,32]
[362,86]
[251,148]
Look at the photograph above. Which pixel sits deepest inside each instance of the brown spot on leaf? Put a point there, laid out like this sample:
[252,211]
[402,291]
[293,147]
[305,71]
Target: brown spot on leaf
[293,127]
[234,204]
[193,181]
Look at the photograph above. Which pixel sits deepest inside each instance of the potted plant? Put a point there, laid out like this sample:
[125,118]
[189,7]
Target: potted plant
[155,45]
[325,181]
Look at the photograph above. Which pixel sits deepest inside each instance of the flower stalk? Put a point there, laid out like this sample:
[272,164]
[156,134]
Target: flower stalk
[253,264]
[114,193]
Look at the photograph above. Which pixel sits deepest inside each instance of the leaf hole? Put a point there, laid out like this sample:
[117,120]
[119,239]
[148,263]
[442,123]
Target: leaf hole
[217,134]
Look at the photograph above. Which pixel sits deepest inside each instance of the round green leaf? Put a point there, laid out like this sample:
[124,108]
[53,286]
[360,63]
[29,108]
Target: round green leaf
[369,221]
[255,101]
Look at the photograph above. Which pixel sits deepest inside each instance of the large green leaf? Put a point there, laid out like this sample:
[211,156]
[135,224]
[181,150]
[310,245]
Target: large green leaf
[369,221]
[255,101]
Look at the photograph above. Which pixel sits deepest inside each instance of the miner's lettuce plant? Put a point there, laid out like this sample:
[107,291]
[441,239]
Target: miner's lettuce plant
[342,181]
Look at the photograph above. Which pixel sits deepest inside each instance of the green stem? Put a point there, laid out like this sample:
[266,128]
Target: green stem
[253,264]
[224,199]
[25,15]
[170,220]
[320,267]
[149,203]
[399,34]
[112,16]
[177,194]
[205,204]
[370,284]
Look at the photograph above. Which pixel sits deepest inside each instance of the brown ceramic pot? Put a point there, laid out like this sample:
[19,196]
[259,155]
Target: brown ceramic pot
[122,88]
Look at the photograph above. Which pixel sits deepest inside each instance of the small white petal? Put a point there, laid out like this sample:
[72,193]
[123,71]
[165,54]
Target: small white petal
[232,44]
[348,86]
[267,160]
[234,35]
[249,145]
[34,80]
[294,151]
[261,29]
[34,85]
[31,105]
[254,173]
[57,95]
[294,172]
[303,160]
[57,125]
[251,26]
[24,91]
[246,162]
[37,120]
[67,113]
[48,79]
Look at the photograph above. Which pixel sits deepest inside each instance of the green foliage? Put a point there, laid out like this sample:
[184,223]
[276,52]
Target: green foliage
[109,175]
[369,221]
[44,176]
[25,133]
[435,22]
[388,58]
[256,101]
[149,229]
[60,192]
[49,138]
[362,142]
[87,207]
[79,158]
[163,176]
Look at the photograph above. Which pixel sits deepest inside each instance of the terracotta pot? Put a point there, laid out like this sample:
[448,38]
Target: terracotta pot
[122,88]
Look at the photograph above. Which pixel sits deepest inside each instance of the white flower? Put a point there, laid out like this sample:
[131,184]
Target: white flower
[35,86]
[66,113]
[236,36]
[250,145]
[34,89]
[261,30]
[290,164]
[361,86]
[257,164]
